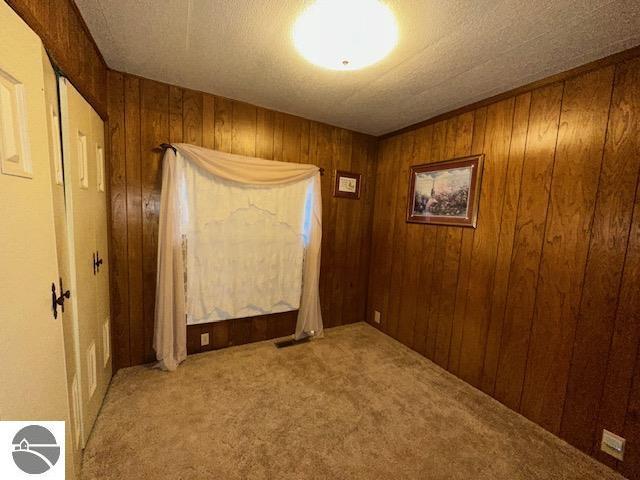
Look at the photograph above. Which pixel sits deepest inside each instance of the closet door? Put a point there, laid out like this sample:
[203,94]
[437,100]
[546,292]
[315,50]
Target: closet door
[82,144]
[102,252]
[73,431]
[32,364]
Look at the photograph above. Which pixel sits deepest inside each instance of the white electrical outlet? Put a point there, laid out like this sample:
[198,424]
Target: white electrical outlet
[204,339]
[376,316]
[612,444]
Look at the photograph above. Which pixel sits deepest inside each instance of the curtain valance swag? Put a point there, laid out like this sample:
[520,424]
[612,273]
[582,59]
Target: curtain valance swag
[170,336]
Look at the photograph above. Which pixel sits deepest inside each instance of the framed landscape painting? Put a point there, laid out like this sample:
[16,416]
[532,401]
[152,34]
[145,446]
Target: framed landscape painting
[445,193]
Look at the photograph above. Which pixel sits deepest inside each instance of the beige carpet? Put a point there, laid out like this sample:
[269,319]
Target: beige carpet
[354,405]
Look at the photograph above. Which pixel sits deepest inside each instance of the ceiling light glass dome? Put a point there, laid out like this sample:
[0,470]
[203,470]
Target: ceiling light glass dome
[345,34]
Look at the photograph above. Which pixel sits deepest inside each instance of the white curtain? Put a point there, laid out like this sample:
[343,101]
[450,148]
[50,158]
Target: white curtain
[244,245]
[258,183]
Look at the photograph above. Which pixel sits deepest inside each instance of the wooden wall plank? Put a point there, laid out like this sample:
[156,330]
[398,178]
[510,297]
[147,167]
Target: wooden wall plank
[433,284]
[425,283]
[339,240]
[326,159]
[351,223]
[193,338]
[466,250]
[175,114]
[539,154]
[366,225]
[427,240]
[411,288]
[264,133]
[485,244]
[154,131]
[58,28]
[458,146]
[505,241]
[382,232]
[223,124]
[398,270]
[134,219]
[352,309]
[446,255]
[373,286]
[118,264]
[278,136]
[305,140]
[291,138]
[240,331]
[448,277]
[192,117]
[583,123]
[243,131]
[208,121]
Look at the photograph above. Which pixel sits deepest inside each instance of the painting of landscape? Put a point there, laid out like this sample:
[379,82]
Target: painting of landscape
[445,192]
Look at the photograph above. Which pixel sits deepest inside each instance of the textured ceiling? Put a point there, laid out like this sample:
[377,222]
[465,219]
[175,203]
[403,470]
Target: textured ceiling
[451,53]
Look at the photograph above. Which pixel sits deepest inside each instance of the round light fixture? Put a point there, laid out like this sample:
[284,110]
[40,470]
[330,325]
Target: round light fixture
[345,34]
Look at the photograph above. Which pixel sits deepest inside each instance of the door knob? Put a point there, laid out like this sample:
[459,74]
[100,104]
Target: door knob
[55,300]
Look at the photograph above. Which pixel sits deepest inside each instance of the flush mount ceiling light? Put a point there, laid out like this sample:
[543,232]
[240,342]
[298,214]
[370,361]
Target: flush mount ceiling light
[345,34]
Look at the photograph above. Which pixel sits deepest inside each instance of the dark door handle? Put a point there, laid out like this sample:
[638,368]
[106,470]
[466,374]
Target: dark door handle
[97,261]
[55,300]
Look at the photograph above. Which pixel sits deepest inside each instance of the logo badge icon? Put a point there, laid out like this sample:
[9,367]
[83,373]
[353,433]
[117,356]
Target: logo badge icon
[35,449]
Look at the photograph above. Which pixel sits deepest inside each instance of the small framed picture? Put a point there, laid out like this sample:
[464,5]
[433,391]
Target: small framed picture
[347,185]
[445,193]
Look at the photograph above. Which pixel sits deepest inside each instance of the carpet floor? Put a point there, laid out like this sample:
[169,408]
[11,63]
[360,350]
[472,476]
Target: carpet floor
[353,405]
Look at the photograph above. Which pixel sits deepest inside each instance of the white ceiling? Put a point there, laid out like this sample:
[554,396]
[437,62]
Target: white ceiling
[451,52]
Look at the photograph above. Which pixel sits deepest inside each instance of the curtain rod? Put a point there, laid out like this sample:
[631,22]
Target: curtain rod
[164,146]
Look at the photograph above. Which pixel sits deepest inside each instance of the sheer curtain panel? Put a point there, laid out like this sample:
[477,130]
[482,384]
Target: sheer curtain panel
[279,198]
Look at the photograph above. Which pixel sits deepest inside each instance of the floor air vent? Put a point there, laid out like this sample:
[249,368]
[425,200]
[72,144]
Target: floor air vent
[290,342]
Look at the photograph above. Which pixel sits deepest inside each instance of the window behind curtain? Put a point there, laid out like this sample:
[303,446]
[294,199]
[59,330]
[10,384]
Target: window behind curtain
[244,246]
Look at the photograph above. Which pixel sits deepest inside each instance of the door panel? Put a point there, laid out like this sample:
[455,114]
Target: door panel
[74,428]
[102,248]
[86,213]
[32,360]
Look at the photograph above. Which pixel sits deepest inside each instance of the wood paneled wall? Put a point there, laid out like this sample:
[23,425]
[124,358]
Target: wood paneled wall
[68,41]
[540,305]
[142,115]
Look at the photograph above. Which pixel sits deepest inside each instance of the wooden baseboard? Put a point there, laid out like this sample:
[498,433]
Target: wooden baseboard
[240,331]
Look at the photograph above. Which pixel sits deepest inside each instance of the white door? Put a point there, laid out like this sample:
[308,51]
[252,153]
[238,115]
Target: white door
[66,316]
[32,360]
[83,149]
[102,252]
